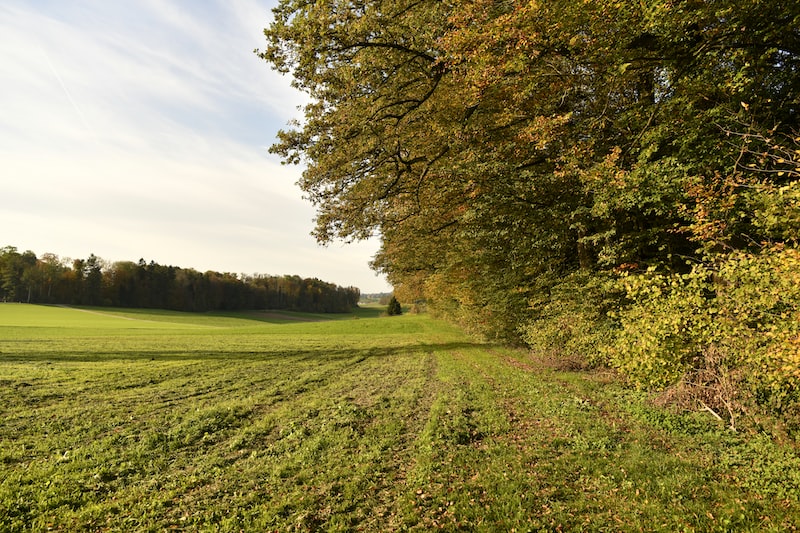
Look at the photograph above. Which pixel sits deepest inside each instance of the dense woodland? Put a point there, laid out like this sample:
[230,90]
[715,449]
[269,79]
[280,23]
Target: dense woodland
[612,182]
[92,281]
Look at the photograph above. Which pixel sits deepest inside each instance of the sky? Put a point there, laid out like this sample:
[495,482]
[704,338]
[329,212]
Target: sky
[140,129]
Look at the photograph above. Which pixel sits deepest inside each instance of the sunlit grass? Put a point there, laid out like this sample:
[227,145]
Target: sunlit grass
[226,423]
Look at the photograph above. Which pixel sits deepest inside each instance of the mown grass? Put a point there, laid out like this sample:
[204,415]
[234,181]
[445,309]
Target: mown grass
[151,421]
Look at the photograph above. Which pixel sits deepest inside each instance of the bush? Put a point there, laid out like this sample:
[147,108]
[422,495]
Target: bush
[570,320]
[728,332]
[663,331]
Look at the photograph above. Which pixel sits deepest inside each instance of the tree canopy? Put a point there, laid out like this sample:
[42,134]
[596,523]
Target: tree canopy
[516,155]
[93,281]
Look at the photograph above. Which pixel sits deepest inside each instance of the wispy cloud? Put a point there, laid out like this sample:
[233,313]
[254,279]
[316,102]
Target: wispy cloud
[139,128]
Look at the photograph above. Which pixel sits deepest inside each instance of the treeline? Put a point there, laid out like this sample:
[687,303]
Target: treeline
[24,277]
[615,182]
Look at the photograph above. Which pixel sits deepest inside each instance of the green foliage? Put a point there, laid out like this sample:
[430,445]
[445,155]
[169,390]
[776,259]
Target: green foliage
[777,210]
[17,274]
[571,322]
[663,333]
[736,318]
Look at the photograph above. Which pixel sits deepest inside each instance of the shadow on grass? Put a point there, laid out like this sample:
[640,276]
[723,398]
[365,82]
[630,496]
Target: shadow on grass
[287,317]
[271,316]
[298,355]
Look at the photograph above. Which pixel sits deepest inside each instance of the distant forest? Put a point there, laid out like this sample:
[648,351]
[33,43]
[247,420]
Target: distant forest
[24,277]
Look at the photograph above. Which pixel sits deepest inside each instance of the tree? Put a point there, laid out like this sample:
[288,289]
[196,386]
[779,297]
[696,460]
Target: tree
[18,276]
[394,307]
[51,274]
[92,281]
[93,277]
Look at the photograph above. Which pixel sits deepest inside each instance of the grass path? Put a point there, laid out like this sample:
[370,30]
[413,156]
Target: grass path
[384,424]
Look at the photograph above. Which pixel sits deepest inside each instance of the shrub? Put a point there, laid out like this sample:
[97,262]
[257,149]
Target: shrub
[570,321]
[394,307]
[726,331]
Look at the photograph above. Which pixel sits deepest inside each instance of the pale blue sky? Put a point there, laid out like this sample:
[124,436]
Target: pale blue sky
[139,128]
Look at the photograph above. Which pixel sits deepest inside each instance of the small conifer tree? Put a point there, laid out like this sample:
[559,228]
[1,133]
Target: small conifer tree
[394,307]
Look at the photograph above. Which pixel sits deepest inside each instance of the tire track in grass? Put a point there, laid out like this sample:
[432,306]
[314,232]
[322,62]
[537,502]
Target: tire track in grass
[288,434]
[374,433]
[607,470]
[571,448]
[542,459]
[445,477]
[414,393]
[358,419]
[222,387]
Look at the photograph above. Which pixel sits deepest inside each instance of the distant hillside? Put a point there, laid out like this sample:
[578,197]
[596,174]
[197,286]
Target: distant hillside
[376,297]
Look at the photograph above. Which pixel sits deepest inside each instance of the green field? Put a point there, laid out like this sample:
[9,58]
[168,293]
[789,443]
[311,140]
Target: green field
[153,421]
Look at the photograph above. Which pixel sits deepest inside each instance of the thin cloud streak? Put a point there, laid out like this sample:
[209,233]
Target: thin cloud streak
[64,88]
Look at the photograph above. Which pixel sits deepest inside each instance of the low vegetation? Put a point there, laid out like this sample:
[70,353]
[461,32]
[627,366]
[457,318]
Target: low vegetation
[132,420]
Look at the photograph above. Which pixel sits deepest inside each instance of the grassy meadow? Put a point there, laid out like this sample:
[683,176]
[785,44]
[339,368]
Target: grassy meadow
[140,420]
